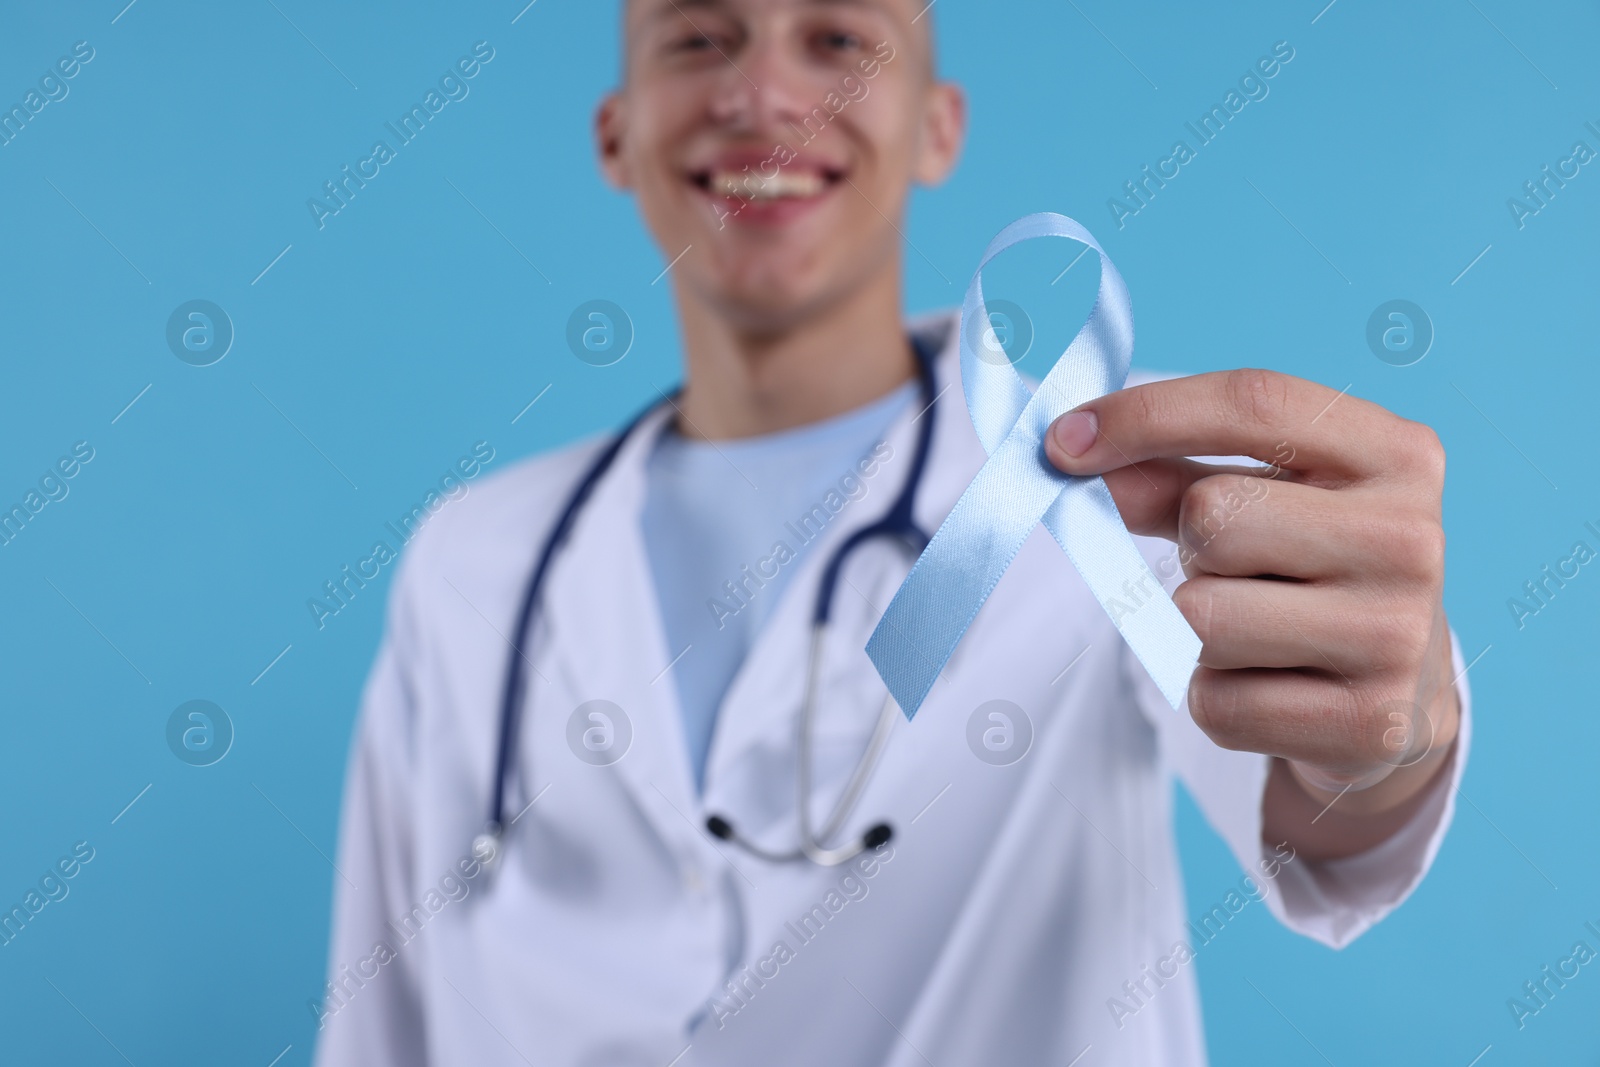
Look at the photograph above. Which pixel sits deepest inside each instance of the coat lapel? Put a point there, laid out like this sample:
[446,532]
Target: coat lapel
[606,640]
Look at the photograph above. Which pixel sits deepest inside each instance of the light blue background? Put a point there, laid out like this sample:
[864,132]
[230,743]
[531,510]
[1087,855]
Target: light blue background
[410,328]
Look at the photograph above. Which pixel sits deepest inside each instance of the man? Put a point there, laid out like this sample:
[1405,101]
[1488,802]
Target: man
[1028,905]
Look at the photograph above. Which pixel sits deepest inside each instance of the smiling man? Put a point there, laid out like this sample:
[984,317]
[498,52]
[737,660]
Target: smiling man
[609,655]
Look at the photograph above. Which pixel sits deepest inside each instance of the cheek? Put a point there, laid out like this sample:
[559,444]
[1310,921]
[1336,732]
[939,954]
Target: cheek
[648,145]
[884,136]
[653,160]
[662,118]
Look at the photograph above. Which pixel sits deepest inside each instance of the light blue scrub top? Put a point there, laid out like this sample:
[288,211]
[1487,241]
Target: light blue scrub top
[714,514]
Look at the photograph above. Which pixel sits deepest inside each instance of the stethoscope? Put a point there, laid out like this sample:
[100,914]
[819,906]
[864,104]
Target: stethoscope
[898,524]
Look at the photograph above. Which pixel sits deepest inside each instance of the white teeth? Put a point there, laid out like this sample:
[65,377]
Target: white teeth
[746,186]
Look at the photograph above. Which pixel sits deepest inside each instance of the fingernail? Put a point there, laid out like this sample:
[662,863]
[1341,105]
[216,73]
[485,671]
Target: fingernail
[1075,432]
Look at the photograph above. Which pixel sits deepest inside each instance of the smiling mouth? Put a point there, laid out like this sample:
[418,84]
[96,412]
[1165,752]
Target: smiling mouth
[790,184]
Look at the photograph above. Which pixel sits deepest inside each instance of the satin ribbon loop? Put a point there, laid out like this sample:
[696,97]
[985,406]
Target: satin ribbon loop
[1018,488]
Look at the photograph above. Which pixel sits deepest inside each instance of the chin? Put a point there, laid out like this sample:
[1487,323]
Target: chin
[765,309]
[757,287]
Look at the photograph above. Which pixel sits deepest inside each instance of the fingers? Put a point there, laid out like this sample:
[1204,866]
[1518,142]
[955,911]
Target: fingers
[1271,417]
[1150,495]
[1295,715]
[1347,731]
[1237,521]
[1337,631]
[1242,526]
[1250,521]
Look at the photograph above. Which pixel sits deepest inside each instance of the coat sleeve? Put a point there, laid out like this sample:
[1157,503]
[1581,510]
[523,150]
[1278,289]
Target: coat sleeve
[371,1010]
[1331,901]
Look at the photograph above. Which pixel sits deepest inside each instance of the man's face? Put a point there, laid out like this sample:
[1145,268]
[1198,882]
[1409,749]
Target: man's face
[775,141]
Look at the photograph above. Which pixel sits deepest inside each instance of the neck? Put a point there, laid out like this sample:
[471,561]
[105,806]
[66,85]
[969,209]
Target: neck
[741,383]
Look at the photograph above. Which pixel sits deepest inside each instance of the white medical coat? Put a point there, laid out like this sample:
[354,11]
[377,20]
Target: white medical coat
[999,926]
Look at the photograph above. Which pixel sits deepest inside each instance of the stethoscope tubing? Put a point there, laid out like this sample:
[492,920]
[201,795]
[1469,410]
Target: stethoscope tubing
[511,694]
[898,524]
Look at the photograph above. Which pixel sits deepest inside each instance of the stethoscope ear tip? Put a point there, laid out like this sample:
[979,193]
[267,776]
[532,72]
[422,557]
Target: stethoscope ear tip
[719,828]
[878,835]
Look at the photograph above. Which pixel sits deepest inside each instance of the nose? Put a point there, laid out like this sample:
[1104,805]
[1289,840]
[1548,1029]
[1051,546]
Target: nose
[765,86]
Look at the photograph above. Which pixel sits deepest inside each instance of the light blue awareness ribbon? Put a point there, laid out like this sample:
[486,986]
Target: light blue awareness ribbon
[1017,488]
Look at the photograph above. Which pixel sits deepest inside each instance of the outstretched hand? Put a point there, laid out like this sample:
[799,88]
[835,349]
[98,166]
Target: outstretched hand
[1315,583]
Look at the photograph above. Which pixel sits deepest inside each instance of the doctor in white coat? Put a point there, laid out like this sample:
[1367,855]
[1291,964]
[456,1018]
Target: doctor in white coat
[1028,906]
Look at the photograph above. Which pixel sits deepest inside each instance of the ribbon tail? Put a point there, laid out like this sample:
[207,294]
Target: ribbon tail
[962,564]
[1085,522]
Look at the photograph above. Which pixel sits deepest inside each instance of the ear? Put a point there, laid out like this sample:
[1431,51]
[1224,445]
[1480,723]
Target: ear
[944,129]
[610,125]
